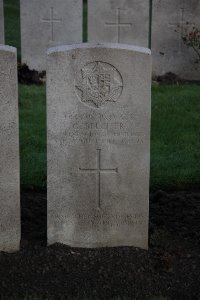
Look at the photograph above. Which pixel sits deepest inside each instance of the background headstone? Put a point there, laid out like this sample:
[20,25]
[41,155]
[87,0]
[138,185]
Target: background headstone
[9,148]
[98,145]
[119,21]
[2,39]
[170,20]
[48,23]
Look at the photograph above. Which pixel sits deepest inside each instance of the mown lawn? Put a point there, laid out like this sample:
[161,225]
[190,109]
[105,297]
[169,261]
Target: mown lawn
[12,24]
[175,136]
[32,113]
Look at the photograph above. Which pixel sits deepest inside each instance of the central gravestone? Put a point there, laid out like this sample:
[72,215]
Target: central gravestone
[98,145]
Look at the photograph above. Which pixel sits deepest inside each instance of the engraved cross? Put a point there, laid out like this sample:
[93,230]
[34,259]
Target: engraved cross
[98,171]
[119,24]
[181,24]
[51,21]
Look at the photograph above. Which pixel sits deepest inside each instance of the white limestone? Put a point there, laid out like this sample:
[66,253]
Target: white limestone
[118,21]
[48,23]
[171,19]
[98,112]
[9,148]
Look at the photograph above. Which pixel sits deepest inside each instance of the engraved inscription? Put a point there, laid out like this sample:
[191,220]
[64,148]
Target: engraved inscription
[8,75]
[180,26]
[111,220]
[6,80]
[98,170]
[101,83]
[118,24]
[51,22]
[96,127]
[101,218]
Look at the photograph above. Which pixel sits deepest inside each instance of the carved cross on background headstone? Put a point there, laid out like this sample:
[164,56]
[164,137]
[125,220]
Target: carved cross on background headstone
[118,24]
[51,21]
[98,170]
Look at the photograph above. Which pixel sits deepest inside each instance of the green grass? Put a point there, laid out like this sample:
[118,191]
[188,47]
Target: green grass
[12,24]
[32,108]
[175,137]
[85,22]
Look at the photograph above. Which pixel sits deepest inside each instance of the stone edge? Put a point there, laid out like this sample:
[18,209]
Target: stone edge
[99,46]
[8,48]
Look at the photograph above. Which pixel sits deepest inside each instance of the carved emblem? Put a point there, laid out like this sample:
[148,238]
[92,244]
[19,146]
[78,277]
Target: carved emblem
[101,83]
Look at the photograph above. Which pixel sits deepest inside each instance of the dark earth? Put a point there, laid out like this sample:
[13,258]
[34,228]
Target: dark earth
[171,78]
[27,76]
[170,268]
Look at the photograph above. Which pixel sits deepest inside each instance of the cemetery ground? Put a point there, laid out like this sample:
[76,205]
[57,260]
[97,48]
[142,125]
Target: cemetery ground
[170,268]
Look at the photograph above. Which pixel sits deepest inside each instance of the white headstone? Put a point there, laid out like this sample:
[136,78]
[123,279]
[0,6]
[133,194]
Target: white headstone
[98,145]
[48,23]
[2,38]
[9,148]
[171,20]
[118,21]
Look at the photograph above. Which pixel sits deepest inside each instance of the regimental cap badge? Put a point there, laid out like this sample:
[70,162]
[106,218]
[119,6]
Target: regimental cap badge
[101,83]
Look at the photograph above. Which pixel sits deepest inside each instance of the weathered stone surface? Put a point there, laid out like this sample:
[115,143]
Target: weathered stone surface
[171,19]
[9,158]
[98,145]
[119,21]
[48,23]
[2,39]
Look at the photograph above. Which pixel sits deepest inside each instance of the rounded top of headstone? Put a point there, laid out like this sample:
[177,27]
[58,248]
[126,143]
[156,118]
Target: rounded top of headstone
[8,48]
[97,46]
